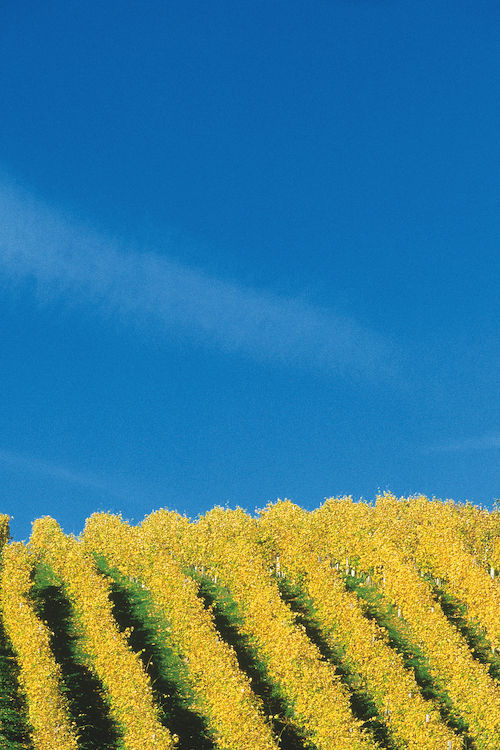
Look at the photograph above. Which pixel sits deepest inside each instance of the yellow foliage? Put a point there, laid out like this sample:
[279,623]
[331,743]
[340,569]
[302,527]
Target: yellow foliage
[40,676]
[407,547]
[4,531]
[224,695]
[413,721]
[450,662]
[226,544]
[120,670]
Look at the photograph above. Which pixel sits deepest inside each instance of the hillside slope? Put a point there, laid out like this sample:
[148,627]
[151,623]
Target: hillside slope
[353,626]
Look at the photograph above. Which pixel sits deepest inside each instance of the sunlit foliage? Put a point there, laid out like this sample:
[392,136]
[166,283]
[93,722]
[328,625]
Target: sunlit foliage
[354,626]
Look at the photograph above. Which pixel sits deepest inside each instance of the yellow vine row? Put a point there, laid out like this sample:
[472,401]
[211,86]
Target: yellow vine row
[106,650]
[40,675]
[439,549]
[224,695]
[225,545]
[4,531]
[473,692]
[413,722]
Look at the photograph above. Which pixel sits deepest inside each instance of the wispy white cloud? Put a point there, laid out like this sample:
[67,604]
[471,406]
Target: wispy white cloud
[70,262]
[482,443]
[86,479]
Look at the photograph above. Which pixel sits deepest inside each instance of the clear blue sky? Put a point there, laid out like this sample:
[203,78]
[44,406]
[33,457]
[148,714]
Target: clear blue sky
[248,250]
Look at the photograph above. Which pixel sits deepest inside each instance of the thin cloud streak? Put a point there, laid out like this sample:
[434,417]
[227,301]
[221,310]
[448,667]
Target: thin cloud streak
[23,464]
[485,442]
[64,261]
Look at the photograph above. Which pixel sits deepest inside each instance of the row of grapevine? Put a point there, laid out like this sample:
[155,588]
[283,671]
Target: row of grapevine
[225,545]
[438,549]
[477,528]
[40,675]
[102,646]
[329,613]
[223,693]
[4,531]
[473,693]
[411,721]
[13,714]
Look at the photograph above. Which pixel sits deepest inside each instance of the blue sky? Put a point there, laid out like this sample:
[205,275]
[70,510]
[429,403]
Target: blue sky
[247,251]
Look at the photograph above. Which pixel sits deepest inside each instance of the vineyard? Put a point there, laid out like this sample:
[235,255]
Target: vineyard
[352,627]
